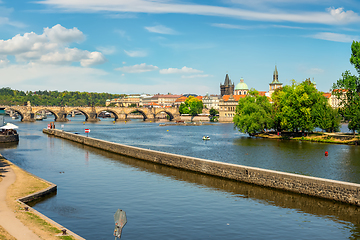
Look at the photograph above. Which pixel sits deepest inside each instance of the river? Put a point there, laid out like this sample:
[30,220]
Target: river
[167,203]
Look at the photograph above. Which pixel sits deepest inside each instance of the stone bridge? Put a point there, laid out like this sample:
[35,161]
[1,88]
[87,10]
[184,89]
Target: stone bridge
[27,113]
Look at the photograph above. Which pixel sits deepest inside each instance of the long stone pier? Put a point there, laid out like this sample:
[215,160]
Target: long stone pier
[318,187]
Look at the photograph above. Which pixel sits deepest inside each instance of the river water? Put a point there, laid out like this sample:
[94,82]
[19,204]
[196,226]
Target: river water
[167,203]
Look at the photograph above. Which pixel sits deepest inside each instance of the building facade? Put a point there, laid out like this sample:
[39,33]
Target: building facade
[211,101]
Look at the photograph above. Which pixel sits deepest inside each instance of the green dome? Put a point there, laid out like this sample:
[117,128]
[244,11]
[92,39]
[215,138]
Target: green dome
[241,85]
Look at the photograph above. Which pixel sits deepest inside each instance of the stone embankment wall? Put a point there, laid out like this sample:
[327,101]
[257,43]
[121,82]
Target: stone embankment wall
[323,188]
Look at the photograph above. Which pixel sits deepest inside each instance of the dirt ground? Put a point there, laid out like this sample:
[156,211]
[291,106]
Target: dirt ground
[24,185]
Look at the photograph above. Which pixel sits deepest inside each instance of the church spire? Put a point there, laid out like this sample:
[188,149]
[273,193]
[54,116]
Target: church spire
[275,76]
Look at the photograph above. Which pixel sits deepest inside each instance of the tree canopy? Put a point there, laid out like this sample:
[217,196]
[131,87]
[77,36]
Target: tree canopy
[347,90]
[54,98]
[192,106]
[253,114]
[299,107]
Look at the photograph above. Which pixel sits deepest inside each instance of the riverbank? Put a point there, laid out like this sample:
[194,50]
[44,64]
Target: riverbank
[22,187]
[312,186]
[336,138]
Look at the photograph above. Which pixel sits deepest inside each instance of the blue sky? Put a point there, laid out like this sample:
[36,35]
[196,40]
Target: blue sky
[173,46]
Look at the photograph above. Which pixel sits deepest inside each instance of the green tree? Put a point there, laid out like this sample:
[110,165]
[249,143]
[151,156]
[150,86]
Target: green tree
[184,109]
[347,90]
[195,105]
[253,114]
[213,112]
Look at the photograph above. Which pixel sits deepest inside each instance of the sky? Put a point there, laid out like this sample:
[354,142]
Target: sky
[173,46]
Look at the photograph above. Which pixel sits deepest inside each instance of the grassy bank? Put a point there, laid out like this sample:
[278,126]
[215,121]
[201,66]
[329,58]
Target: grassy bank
[24,185]
[337,138]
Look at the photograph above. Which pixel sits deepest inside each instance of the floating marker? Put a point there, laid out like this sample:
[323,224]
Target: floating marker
[326,153]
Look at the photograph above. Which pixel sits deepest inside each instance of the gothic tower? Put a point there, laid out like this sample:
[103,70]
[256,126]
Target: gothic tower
[275,83]
[227,88]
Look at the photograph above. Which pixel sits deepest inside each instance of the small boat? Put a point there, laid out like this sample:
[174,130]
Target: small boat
[206,138]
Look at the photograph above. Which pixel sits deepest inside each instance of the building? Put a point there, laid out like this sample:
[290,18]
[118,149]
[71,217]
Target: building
[227,107]
[166,100]
[275,84]
[227,88]
[334,101]
[241,88]
[211,101]
[131,100]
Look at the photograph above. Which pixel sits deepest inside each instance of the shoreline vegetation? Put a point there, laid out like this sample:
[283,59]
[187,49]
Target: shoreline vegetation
[24,185]
[322,137]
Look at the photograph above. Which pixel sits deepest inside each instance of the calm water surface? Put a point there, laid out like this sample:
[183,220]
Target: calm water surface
[167,203]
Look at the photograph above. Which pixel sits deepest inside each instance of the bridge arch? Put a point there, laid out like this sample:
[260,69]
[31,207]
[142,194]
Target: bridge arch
[171,116]
[116,114]
[139,110]
[56,115]
[80,110]
[15,110]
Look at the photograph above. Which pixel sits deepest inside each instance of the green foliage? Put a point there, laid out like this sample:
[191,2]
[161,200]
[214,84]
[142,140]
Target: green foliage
[355,55]
[192,106]
[213,112]
[54,98]
[183,109]
[347,90]
[132,105]
[301,107]
[253,114]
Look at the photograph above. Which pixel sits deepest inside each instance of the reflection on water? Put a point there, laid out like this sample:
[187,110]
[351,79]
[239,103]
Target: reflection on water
[168,203]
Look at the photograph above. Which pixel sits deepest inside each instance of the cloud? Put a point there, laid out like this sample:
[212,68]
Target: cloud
[139,68]
[229,26]
[7,21]
[121,16]
[107,50]
[197,76]
[50,47]
[343,16]
[161,29]
[332,16]
[59,34]
[177,70]
[136,53]
[335,37]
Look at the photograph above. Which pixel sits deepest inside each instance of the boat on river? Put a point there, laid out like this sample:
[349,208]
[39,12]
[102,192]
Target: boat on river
[206,138]
[8,133]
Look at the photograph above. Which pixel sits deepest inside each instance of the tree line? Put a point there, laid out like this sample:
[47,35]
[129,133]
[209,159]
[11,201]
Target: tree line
[12,97]
[300,107]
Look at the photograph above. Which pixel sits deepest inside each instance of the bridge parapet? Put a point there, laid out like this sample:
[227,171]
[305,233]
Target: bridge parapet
[27,113]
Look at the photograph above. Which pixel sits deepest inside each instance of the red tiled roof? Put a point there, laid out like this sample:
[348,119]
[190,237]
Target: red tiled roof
[236,97]
[181,99]
[327,95]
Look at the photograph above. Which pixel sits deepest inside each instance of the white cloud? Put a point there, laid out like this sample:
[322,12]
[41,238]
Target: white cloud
[139,68]
[177,70]
[7,21]
[197,76]
[331,16]
[343,16]
[107,50]
[136,53]
[161,29]
[335,37]
[50,47]
[59,34]
[229,26]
